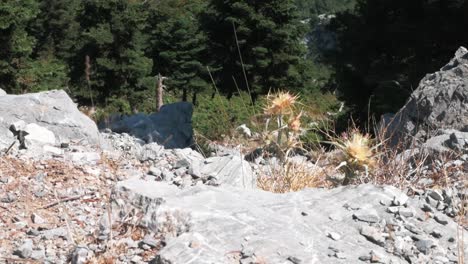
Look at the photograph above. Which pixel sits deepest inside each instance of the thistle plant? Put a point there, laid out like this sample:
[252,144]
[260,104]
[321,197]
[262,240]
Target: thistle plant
[358,154]
[281,107]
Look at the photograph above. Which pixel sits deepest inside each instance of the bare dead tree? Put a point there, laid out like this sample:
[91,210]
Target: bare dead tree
[88,79]
[159,91]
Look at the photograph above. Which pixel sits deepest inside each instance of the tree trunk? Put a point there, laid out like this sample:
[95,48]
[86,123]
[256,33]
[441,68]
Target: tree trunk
[159,92]
[88,78]
[194,98]
[254,97]
[184,95]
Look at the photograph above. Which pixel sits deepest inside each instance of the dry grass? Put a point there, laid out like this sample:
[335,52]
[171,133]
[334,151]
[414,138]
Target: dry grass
[59,208]
[292,177]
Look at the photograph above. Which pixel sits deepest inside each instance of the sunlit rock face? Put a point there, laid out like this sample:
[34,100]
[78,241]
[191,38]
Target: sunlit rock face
[439,102]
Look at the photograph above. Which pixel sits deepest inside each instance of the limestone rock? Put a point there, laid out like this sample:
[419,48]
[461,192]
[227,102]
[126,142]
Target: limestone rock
[229,170]
[439,102]
[202,223]
[52,110]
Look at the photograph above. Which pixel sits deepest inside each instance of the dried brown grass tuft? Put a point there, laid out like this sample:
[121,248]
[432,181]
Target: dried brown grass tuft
[292,177]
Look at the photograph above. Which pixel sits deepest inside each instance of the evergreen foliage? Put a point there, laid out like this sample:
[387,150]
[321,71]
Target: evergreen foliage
[269,41]
[384,48]
[127,43]
[178,45]
[17,45]
[387,46]
[113,38]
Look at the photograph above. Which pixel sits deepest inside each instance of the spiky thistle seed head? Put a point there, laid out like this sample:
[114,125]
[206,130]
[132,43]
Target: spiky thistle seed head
[357,148]
[280,103]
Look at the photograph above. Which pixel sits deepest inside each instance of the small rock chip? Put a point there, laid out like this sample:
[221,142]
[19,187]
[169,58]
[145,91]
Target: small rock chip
[247,260]
[150,241]
[247,251]
[54,233]
[427,208]
[441,219]
[340,255]
[436,233]
[40,192]
[33,232]
[413,229]
[40,176]
[400,199]
[366,216]
[431,201]
[4,179]
[334,236]
[406,212]
[441,205]
[79,255]
[136,259]
[393,209]
[9,198]
[194,244]
[37,219]
[436,195]
[25,250]
[294,260]
[424,246]
[403,245]
[376,257]
[373,235]
[38,254]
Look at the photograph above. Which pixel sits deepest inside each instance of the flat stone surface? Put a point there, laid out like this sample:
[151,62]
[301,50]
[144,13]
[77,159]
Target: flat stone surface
[229,170]
[273,226]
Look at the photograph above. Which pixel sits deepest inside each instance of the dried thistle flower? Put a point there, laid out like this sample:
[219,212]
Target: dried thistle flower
[357,149]
[280,103]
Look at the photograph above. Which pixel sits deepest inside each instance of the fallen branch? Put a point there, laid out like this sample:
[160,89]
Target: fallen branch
[18,260]
[68,199]
[11,146]
[3,207]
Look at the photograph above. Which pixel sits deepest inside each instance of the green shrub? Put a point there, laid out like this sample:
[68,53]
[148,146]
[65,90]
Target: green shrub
[217,117]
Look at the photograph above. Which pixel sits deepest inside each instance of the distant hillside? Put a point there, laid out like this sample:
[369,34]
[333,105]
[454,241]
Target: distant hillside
[312,8]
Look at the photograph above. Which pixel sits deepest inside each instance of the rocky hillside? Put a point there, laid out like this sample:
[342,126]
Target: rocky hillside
[135,193]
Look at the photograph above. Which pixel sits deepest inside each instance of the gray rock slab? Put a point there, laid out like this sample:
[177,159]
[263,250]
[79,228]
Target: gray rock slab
[206,224]
[439,102]
[53,110]
[229,170]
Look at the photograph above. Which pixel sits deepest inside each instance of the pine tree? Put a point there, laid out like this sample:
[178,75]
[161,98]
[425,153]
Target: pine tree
[267,35]
[17,44]
[113,39]
[178,45]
